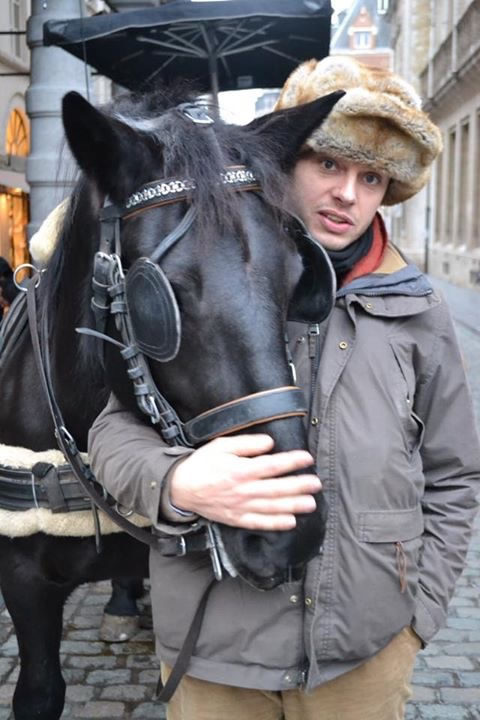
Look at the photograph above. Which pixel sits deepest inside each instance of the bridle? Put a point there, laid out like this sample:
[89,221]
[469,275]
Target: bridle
[109,298]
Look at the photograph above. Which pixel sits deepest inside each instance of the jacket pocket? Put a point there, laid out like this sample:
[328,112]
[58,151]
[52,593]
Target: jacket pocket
[405,386]
[398,535]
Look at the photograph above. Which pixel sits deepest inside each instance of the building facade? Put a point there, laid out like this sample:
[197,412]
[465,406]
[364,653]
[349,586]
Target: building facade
[437,48]
[450,83]
[14,130]
[363,32]
[410,225]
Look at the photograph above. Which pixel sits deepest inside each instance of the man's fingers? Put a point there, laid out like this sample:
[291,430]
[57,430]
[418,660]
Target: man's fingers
[279,464]
[281,506]
[242,445]
[286,486]
[258,521]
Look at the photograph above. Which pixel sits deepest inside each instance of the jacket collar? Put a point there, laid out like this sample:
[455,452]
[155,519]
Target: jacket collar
[400,289]
[394,276]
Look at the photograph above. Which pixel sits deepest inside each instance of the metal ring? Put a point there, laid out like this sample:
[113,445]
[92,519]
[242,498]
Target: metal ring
[36,272]
[123,511]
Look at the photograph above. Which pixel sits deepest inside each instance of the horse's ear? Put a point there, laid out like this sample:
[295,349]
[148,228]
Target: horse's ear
[104,148]
[287,130]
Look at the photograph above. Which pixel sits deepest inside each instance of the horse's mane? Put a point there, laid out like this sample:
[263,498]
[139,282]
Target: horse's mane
[188,151]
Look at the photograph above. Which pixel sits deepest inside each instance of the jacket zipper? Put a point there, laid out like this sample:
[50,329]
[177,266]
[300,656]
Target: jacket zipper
[313,334]
[401,565]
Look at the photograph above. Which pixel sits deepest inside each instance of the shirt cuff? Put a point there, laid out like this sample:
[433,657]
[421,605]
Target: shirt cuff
[170,512]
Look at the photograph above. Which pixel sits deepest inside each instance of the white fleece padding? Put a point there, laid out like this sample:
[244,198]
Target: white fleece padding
[22,523]
[44,241]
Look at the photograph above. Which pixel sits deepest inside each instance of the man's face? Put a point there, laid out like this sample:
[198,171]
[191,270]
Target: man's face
[336,198]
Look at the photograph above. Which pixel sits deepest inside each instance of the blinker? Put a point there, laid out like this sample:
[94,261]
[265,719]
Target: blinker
[154,312]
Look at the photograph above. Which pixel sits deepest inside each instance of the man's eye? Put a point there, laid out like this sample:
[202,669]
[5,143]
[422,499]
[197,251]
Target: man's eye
[328,164]
[372,179]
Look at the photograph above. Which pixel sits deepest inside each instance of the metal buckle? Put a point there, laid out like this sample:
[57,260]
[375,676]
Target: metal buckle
[214,556]
[183,546]
[64,437]
[196,113]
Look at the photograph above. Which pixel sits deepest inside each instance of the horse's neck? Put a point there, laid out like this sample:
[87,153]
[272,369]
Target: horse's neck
[78,380]
[24,415]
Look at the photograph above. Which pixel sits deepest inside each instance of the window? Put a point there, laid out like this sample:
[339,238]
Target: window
[16,139]
[476,214]
[362,39]
[16,25]
[452,141]
[438,198]
[461,238]
[382,7]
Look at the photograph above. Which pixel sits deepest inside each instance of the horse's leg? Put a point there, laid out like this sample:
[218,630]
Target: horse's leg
[121,614]
[36,609]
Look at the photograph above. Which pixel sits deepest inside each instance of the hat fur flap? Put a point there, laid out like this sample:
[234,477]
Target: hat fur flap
[378,122]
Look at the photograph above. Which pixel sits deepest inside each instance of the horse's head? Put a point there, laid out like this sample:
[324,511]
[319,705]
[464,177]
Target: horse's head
[234,275]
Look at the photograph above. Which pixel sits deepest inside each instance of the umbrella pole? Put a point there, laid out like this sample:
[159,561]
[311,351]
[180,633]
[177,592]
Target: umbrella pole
[213,65]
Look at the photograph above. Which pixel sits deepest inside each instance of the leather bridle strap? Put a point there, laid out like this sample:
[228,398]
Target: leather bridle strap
[168,546]
[261,407]
[164,692]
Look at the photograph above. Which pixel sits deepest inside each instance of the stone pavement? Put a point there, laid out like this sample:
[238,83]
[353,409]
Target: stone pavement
[118,681]
[106,681]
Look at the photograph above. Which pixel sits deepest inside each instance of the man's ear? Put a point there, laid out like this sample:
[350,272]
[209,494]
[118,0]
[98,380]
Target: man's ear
[107,150]
[287,130]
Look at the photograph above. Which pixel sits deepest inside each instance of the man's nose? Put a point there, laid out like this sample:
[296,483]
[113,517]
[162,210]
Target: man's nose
[345,190]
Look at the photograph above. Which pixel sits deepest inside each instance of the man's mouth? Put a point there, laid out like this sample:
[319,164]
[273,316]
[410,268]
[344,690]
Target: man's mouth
[335,222]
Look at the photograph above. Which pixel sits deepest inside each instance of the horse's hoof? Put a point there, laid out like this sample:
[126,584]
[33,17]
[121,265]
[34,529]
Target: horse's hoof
[118,628]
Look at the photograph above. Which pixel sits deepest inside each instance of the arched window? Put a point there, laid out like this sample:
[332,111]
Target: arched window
[17,140]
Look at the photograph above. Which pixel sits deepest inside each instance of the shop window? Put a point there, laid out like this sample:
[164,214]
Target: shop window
[16,140]
[13,222]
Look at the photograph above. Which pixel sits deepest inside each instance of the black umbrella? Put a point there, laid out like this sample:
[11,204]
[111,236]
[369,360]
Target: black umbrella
[224,45]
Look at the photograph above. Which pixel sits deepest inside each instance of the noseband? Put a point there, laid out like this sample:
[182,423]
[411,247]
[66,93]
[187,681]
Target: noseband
[114,292]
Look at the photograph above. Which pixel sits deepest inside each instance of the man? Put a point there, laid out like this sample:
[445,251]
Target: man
[392,435]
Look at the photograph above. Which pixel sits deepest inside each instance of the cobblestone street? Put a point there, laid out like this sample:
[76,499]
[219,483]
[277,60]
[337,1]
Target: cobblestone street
[118,680]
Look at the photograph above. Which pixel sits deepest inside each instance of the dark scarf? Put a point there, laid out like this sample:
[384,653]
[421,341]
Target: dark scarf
[344,260]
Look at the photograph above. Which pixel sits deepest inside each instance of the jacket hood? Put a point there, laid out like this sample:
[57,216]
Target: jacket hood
[408,280]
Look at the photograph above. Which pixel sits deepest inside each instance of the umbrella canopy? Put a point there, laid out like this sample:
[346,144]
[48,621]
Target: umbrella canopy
[225,45]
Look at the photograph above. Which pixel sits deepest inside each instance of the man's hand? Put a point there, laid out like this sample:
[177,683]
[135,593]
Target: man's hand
[231,480]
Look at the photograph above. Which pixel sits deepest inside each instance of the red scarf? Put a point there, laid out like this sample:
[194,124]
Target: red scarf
[370,262]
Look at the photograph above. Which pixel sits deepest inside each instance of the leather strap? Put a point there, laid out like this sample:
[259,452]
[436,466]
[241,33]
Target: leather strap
[12,326]
[65,441]
[55,488]
[275,404]
[165,692]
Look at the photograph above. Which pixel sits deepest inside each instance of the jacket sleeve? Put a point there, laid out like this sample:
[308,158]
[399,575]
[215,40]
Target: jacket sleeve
[131,461]
[451,465]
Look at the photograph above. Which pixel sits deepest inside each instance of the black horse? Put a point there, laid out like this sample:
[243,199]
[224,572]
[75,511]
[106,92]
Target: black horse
[234,274]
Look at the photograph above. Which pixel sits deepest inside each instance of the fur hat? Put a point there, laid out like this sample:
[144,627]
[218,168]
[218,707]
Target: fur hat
[378,122]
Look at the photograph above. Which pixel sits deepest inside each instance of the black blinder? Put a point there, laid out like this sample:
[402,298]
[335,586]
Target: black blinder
[314,297]
[153,309]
